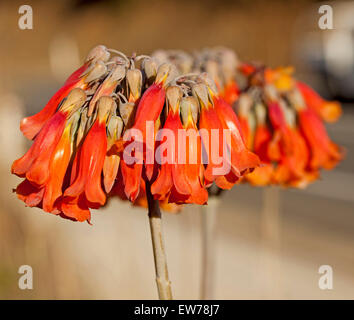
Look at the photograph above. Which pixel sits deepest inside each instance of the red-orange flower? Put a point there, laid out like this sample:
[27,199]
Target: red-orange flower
[35,163]
[218,115]
[241,157]
[324,153]
[231,92]
[112,159]
[328,110]
[262,175]
[149,109]
[212,134]
[244,117]
[85,190]
[45,163]
[171,182]
[194,166]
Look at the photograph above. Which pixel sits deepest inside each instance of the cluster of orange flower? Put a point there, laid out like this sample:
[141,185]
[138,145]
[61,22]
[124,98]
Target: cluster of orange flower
[282,122]
[281,119]
[77,159]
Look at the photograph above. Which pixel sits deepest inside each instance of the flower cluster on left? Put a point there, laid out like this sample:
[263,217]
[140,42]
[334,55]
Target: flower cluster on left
[70,142]
[77,159]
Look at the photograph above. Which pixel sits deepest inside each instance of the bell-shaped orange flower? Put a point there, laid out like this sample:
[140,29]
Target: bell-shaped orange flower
[194,166]
[35,163]
[291,166]
[324,153]
[171,182]
[282,149]
[46,195]
[244,117]
[329,111]
[112,160]
[148,110]
[261,146]
[285,143]
[217,115]
[231,92]
[49,157]
[86,190]
[152,101]
[241,157]
[212,134]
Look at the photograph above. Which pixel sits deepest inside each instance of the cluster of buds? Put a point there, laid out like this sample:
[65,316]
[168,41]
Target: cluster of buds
[282,122]
[221,64]
[121,125]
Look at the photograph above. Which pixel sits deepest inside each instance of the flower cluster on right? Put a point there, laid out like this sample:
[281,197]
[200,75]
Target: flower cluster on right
[281,118]
[282,122]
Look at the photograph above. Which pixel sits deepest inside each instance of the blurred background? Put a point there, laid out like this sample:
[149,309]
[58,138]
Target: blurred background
[269,242]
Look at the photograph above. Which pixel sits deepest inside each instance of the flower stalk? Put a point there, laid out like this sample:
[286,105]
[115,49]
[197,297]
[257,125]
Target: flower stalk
[162,280]
[208,223]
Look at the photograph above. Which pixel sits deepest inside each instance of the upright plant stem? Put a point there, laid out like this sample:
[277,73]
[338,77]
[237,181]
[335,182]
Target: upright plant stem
[162,280]
[270,236]
[208,249]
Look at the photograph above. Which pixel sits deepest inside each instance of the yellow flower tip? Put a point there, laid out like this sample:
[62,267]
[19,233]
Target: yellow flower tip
[162,73]
[173,98]
[189,111]
[284,84]
[135,82]
[200,92]
[331,111]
